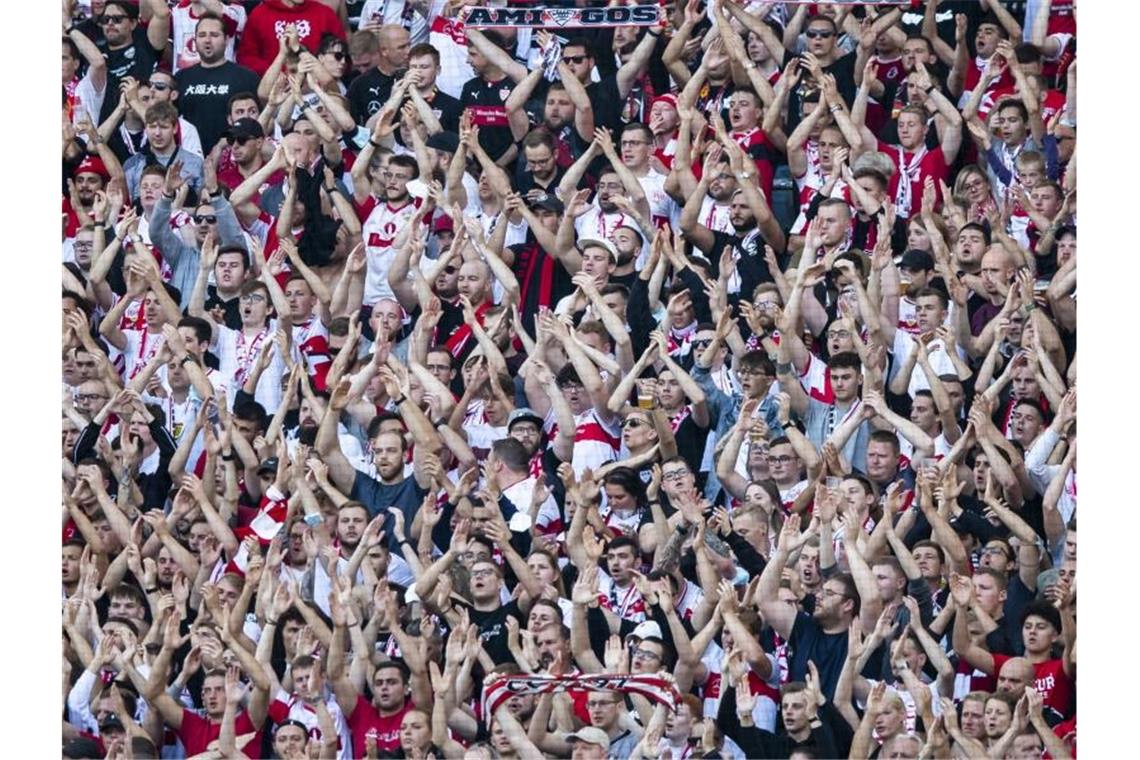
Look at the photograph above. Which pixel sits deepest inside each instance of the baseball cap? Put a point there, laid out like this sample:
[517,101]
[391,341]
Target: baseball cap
[647,630]
[916,260]
[442,223]
[585,243]
[445,141]
[245,128]
[268,465]
[92,165]
[547,201]
[524,414]
[590,735]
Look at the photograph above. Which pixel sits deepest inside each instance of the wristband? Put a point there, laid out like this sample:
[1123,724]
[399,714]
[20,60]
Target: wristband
[330,189]
[1028,308]
[400,400]
[269,622]
[374,144]
[168,196]
[150,590]
[227,457]
[403,541]
[313,520]
[929,89]
[835,108]
[654,33]
[437,423]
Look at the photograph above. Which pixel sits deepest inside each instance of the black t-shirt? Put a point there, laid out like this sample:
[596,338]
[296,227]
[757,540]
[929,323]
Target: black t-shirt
[204,92]
[691,439]
[606,102]
[827,650]
[447,109]
[137,60]
[843,69]
[493,629]
[543,281]
[751,266]
[232,307]
[368,93]
[487,102]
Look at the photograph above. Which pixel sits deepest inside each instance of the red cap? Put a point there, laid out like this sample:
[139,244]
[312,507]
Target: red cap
[668,98]
[92,165]
[442,223]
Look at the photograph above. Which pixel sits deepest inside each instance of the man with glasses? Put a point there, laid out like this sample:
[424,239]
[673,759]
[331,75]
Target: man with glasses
[129,49]
[822,56]
[205,88]
[213,214]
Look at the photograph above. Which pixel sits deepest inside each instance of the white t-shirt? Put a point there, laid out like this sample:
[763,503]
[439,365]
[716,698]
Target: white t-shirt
[237,356]
[182,23]
[379,231]
[396,12]
[939,361]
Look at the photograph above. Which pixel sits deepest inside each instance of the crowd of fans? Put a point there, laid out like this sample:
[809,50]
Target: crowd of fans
[735,351]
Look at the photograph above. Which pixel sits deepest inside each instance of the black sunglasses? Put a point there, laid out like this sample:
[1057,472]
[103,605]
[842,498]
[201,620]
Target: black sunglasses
[238,140]
[574,58]
[337,54]
[818,34]
[160,86]
[205,219]
[450,269]
[106,19]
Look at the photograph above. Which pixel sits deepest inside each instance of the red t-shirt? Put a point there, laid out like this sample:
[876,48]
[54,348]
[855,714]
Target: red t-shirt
[1056,688]
[931,164]
[197,732]
[365,717]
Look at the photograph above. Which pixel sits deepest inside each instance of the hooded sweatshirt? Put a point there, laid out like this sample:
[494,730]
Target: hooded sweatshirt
[267,24]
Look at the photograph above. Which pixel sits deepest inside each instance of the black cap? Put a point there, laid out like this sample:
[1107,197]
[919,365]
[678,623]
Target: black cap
[916,260]
[245,128]
[547,201]
[83,747]
[448,142]
[524,414]
[269,464]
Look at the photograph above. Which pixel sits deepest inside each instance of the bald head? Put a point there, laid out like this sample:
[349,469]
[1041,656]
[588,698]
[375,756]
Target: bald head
[393,47]
[997,270]
[1015,675]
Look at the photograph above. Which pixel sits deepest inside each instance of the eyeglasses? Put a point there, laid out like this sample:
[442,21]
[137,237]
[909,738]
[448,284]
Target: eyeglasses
[839,333]
[89,396]
[253,298]
[205,219]
[108,19]
[781,460]
[574,58]
[645,654]
[482,573]
[818,34]
[674,475]
[160,86]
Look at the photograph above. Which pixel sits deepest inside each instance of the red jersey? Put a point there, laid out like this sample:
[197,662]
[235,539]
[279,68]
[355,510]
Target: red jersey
[912,169]
[367,719]
[1056,688]
[197,732]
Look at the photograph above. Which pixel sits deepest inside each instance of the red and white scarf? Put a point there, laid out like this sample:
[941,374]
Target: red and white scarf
[246,353]
[498,689]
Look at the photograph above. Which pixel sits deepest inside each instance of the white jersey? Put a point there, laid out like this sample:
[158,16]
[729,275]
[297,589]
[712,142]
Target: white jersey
[379,231]
[142,346]
[939,361]
[183,22]
[662,208]
[238,354]
[398,12]
[448,37]
[595,442]
[596,224]
[287,706]
[717,217]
